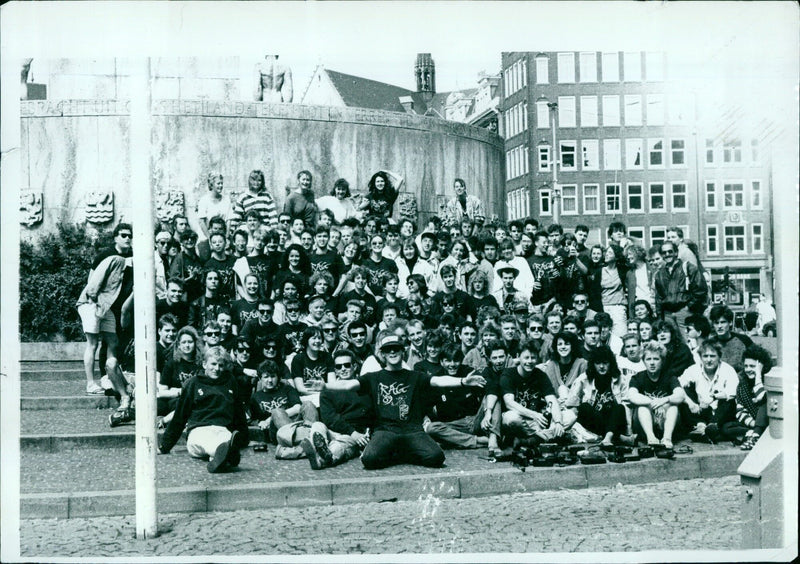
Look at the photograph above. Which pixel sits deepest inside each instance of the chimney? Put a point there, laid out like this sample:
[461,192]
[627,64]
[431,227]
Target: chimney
[425,75]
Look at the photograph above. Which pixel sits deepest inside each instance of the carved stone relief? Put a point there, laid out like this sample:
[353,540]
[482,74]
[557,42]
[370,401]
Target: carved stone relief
[30,208]
[169,203]
[100,206]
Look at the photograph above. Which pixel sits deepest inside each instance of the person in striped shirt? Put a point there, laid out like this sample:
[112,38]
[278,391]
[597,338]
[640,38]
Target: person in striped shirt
[256,198]
[751,399]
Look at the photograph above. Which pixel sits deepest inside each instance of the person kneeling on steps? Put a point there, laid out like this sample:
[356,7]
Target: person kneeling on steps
[212,410]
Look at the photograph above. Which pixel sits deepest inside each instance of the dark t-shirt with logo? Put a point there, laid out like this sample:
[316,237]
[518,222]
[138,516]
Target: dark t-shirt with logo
[262,403]
[177,372]
[661,388]
[529,391]
[313,372]
[397,397]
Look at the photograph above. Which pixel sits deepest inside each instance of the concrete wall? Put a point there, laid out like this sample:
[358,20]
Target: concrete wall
[71,148]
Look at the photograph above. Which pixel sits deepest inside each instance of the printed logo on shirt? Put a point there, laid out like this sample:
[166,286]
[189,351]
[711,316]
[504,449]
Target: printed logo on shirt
[183,376]
[395,395]
[275,403]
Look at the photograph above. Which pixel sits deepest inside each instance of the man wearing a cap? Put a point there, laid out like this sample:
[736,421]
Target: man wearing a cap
[397,395]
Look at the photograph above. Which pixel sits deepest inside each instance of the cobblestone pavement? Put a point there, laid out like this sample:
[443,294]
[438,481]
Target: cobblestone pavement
[681,515]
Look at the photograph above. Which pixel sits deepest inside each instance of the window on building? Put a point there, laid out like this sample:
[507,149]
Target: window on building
[633,154]
[709,151]
[679,203]
[508,166]
[655,152]
[612,154]
[590,154]
[566,111]
[569,199]
[733,196]
[754,155]
[732,151]
[610,67]
[544,202]
[678,152]
[633,110]
[734,239]
[711,196]
[524,110]
[567,150]
[544,158]
[755,195]
[588,67]
[655,109]
[611,111]
[757,237]
[633,66]
[657,200]
[654,66]
[566,68]
[658,235]
[542,75]
[613,198]
[542,115]
[712,240]
[591,198]
[637,234]
[635,198]
[588,111]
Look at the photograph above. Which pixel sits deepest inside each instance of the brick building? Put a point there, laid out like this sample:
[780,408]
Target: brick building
[631,146]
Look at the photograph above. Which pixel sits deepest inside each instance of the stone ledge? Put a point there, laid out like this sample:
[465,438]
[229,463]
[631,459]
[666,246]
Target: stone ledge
[454,484]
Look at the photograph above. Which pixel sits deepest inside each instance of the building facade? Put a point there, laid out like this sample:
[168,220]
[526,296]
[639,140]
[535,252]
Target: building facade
[631,147]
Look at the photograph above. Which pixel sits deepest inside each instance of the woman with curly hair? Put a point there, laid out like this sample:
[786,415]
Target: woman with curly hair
[339,202]
[679,356]
[186,361]
[598,406]
[381,196]
[565,364]
[295,264]
[751,399]
[478,290]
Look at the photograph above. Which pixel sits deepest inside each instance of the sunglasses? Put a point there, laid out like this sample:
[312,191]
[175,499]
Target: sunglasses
[393,349]
[329,330]
[579,301]
[535,328]
[264,311]
[125,235]
[211,333]
[667,252]
[358,334]
[272,346]
[343,365]
[242,350]
[292,309]
[163,242]
[287,221]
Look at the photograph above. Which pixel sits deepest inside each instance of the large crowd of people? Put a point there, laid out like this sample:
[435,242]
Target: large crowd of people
[338,331]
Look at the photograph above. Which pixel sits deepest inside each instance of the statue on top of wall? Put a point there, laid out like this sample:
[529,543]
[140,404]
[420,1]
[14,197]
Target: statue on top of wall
[23,78]
[273,81]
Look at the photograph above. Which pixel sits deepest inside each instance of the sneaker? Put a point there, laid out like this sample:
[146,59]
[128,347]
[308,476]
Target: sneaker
[749,442]
[217,462]
[321,446]
[94,390]
[120,416]
[313,458]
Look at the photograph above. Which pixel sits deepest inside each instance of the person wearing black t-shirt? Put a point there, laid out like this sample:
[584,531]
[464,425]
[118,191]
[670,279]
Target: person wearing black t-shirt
[245,308]
[172,302]
[532,408]
[457,413]
[222,264]
[291,332]
[492,404]
[377,265]
[655,396]
[257,329]
[323,259]
[359,276]
[167,329]
[206,307]
[396,394]
[312,366]
[459,298]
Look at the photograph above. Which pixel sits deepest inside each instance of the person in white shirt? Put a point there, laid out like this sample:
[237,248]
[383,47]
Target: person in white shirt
[213,203]
[710,389]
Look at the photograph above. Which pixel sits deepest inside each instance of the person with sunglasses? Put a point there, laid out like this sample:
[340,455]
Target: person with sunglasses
[244,366]
[396,394]
[346,417]
[188,266]
[311,366]
[161,260]
[330,333]
[680,288]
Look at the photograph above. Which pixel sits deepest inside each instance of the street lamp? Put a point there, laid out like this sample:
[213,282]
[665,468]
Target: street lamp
[556,191]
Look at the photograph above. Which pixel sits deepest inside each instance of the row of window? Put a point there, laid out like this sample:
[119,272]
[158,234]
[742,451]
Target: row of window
[515,76]
[515,119]
[733,195]
[635,68]
[516,162]
[734,239]
[616,111]
[518,204]
[730,151]
[592,199]
[590,158]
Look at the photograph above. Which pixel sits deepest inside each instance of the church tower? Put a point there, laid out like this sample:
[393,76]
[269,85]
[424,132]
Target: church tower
[425,74]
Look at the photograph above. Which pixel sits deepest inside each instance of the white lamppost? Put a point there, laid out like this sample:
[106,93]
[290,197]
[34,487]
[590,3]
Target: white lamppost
[555,194]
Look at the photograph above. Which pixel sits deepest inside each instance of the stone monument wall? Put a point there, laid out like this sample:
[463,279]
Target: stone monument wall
[76,163]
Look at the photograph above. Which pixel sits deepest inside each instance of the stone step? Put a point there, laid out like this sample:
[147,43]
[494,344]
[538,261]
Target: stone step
[67,364]
[90,483]
[38,374]
[59,395]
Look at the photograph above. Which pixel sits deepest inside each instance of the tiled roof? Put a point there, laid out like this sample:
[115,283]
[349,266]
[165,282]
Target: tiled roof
[361,92]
